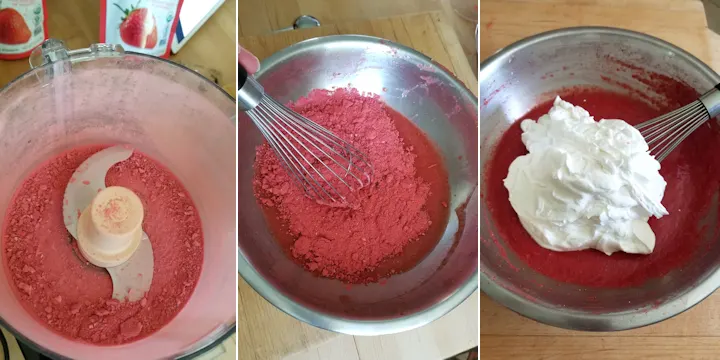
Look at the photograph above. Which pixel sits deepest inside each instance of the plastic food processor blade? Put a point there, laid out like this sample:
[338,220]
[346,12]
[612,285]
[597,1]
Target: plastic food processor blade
[132,278]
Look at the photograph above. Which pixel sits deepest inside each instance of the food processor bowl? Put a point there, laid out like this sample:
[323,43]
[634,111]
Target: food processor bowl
[446,111]
[102,95]
[534,70]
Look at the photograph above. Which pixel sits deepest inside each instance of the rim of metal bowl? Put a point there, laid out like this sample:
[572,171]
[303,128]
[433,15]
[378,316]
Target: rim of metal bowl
[335,323]
[202,345]
[586,321]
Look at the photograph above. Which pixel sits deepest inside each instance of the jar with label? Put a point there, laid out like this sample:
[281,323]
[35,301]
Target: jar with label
[23,26]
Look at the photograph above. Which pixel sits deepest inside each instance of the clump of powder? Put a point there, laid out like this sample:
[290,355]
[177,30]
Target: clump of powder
[349,243]
[73,297]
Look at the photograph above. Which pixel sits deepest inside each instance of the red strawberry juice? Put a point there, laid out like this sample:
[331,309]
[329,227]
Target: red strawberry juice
[143,26]
[23,26]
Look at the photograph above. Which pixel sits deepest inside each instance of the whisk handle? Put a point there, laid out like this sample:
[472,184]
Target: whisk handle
[242,76]
[711,101]
[250,93]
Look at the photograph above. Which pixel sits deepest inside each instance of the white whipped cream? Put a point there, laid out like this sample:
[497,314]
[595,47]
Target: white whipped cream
[586,184]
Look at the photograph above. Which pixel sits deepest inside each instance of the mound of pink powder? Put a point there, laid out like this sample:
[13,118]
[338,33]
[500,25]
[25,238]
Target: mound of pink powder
[70,295]
[349,243]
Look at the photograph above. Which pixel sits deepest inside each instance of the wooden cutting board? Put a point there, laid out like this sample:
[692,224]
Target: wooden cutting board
[694,334]
[264,332]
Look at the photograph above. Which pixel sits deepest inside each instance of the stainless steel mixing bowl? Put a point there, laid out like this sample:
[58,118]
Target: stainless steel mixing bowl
[512,82]
[447,112]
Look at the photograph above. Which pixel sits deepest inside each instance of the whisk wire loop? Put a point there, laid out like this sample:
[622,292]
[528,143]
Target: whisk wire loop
[316,159]
[664,133]
[286,156]
[303,132]
[315,131]
[293,159]
[322,164]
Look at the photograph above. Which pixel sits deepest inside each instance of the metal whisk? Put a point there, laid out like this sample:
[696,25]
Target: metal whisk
[664,133]
[324,165]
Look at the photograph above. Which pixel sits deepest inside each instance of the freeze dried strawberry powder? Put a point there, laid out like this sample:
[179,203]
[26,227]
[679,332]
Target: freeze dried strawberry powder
[70,295]
[392,223]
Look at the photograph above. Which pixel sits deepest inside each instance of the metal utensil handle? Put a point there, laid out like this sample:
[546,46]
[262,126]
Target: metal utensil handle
[242,76]
[250,93]
[302,22]
[711,101]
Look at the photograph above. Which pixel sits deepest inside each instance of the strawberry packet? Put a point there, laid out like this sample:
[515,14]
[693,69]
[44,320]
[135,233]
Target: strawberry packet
[142,26]
[23,26]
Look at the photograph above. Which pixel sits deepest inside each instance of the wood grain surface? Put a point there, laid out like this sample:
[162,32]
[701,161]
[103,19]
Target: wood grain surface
[264,332]
[694,334]
[259,17]
[211,51]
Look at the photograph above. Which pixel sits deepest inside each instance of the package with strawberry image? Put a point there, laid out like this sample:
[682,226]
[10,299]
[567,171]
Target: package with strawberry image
[143,26]
[23,26]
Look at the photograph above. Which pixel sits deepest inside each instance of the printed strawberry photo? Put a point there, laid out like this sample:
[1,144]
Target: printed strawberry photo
[144,26]
[13,29]
[138,27]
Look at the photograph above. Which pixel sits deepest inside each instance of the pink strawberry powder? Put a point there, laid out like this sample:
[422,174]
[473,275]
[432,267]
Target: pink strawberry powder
[392,224]
[70,295]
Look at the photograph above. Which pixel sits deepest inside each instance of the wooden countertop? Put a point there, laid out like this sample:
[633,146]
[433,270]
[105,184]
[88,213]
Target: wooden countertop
[694,334]
[266,333]
[211,51]
[259,17]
